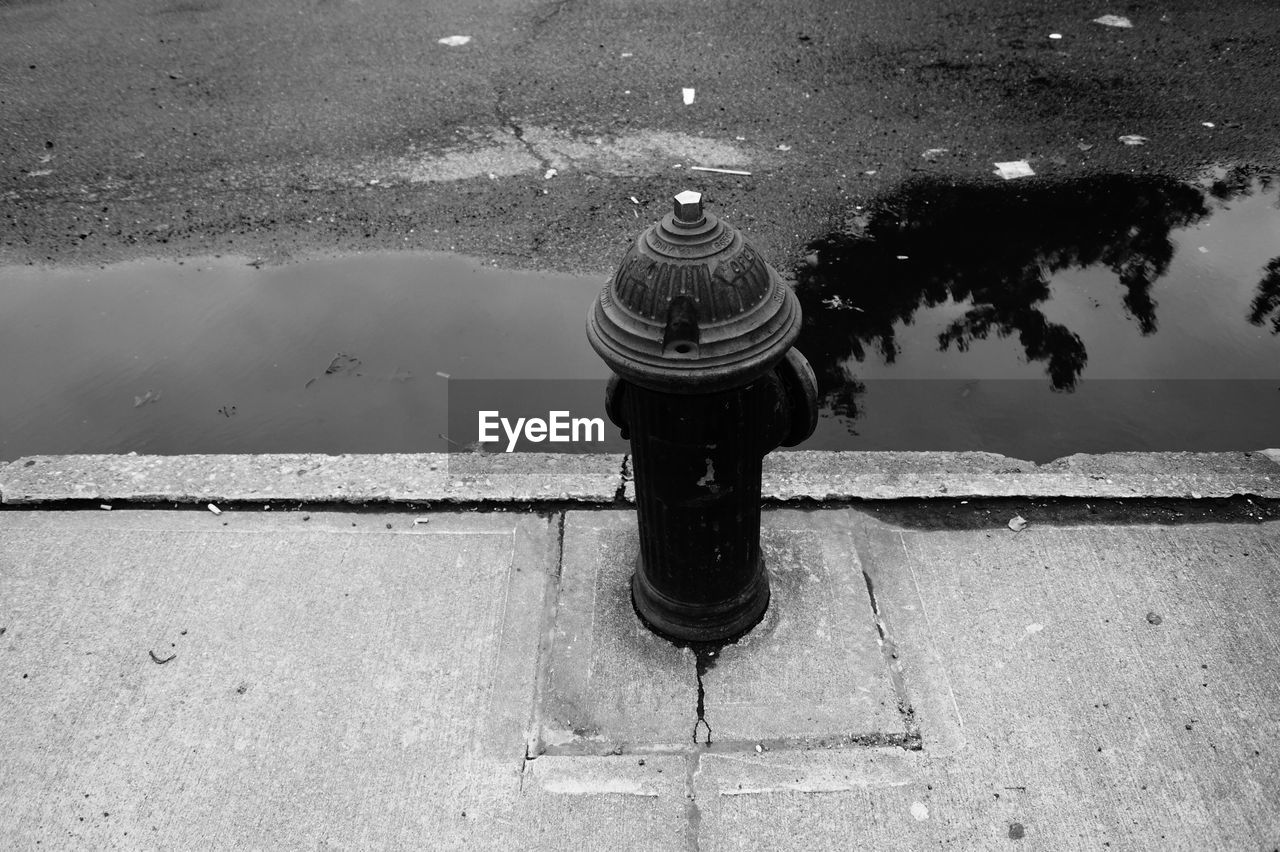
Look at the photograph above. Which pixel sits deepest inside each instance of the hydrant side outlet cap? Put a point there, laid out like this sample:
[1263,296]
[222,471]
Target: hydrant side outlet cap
[693,306]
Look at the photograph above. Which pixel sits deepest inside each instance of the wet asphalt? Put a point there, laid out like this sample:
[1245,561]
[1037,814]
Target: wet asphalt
[181,127]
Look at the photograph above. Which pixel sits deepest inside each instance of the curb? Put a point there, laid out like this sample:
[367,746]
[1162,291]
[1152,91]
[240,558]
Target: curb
[605,478]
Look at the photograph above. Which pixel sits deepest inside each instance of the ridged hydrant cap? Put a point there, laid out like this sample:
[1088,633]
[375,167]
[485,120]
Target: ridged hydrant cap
[693,307]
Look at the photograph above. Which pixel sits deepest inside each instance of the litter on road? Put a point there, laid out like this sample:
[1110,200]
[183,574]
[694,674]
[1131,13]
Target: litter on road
[1133,139]
[455,41]
[718,171]
[688,96]
[1114,21]
[1014,169]
[1018,523]
[215,509]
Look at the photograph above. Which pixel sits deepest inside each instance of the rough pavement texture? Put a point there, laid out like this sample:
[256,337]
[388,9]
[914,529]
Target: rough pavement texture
[340,683]
[400,478]
[177,680]
[537,477]
[271,129]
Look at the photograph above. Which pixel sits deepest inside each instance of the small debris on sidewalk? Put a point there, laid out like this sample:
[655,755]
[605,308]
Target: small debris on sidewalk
[933,153]
[455,41]
[1055,35]
[106,507]
[1208,124]
[1154,618]
[784,147]
[550,174]
[1014,169]
[718,171]
[418,521]
[1133,139]
[1114,21]
[158,661]
[920,811]
[1018,523]
[688,96]
[1084,146]
[149,396]
[343,362]
[215,509]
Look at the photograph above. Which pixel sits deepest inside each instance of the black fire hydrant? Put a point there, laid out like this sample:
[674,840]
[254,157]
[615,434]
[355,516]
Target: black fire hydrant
[698,330]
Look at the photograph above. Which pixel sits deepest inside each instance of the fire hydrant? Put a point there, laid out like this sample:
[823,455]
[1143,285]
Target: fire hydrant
[698,331]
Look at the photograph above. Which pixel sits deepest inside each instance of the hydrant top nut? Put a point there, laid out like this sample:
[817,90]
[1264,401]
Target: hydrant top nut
[688,208]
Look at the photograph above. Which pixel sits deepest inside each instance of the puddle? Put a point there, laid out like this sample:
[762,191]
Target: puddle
[336,355]
[1027,318]
[1039,319]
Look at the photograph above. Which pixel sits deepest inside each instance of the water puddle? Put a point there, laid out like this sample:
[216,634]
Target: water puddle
[340,355]
[1037,320]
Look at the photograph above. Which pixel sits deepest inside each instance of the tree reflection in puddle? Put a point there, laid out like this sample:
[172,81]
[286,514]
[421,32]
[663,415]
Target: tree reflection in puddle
[994,254]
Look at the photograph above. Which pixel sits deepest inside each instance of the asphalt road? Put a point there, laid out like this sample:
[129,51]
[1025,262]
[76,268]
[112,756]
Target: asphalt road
[274,130]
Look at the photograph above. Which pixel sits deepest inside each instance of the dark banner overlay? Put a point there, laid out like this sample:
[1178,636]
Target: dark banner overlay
[1022,418]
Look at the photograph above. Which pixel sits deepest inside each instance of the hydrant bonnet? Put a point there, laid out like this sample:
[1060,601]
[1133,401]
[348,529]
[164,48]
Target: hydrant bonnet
[693,307]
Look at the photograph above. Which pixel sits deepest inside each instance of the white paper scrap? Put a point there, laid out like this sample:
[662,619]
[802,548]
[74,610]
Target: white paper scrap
[455,41]
[1114,21]
[688,96]
[1014,169]
[1133,139]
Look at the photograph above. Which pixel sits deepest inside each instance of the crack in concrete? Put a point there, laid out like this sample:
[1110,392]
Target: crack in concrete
[506,120]
[889,650]
[703,662]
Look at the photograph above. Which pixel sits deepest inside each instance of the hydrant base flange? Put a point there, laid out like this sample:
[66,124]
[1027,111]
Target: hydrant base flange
[701,622]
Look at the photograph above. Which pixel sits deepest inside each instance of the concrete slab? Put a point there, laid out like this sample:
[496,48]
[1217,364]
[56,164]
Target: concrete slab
[1117,683]
[813,668]
[893,475]
[611,684]
[184,680]
[538,477]
[402,478]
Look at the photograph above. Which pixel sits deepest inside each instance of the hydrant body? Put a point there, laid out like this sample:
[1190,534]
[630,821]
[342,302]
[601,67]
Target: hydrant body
[698,330]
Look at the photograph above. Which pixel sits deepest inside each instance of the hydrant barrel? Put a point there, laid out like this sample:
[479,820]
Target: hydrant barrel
[699,330]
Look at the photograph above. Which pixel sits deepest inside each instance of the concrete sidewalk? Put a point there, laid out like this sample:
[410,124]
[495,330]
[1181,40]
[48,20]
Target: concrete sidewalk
[473,676]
